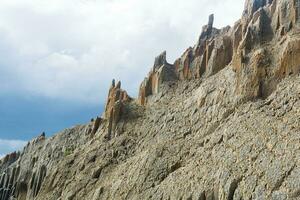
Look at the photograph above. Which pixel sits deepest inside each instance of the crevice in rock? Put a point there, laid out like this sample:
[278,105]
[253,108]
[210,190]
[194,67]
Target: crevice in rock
[279,183]
[232,189]
[202,196]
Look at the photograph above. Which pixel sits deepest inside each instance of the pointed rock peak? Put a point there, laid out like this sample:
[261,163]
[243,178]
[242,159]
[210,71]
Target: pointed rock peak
[251,6]
[43,134]
[115,94]
[160,60]
[114,107]
[113,83]
[207,30]
[211,20]
[118,85]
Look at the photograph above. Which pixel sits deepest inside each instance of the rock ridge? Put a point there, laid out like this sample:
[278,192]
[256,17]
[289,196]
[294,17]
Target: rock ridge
[221,122]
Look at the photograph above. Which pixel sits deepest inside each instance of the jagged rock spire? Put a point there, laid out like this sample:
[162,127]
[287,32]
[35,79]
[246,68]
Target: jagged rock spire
[114,105]
[160,60]
[207,29]
[258,66]
[210,21]
[113,83]
[161,72]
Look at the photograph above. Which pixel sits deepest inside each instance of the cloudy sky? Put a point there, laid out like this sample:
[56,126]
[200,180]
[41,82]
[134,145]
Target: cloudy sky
[58,56]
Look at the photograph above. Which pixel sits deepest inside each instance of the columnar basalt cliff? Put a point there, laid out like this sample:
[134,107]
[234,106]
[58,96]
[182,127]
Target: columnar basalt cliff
[221,122]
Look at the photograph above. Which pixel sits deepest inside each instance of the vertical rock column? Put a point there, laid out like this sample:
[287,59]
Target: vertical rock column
[161,72]
[296,11]
[115,106]
[36,181]
[8,182]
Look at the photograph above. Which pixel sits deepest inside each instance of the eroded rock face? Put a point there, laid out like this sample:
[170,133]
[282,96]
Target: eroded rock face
[8,182]
[9,159]
[222,122]
[37,180]
[290,58]
[221,55]
[115,106]
[28,175]
[13,181]
[263,42]
[212,53]
[161,72]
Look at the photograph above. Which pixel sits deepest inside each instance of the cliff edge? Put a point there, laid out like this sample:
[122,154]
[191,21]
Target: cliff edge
[221,122]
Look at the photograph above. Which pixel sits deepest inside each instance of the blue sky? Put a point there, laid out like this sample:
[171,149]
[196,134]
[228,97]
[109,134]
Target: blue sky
[28,117]
[58,56]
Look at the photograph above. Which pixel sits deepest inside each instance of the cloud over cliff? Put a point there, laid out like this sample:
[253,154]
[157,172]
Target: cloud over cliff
[71,49]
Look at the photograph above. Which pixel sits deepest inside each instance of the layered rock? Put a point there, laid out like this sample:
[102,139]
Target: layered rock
[222,122]
[9,159]
[161,72]
[115,106]
[211,54]
[8,182]
[213,51]
[25,176]
[258,57]
[37,180]
[220,56]
[290,58]
[194,62]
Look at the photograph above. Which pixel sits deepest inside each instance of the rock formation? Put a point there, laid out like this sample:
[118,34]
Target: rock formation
[221,122]
[115,106]
[161,72]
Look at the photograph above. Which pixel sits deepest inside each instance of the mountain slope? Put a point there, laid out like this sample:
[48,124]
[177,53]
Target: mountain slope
[222,122]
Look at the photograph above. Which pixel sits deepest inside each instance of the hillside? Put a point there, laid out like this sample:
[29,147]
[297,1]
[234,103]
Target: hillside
[221,122]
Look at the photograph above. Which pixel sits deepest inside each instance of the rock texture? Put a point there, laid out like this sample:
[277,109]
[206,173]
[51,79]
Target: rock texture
[222,122]
[114,108]
[161,72]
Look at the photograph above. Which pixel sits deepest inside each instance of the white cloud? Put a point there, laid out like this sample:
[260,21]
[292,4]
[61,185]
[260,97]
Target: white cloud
[9,146]
[71,49]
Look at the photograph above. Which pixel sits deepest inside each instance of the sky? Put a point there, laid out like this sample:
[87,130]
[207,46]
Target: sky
[58,57]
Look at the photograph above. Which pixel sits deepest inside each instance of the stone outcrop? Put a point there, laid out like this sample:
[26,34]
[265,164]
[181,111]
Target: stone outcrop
[222,122]
[290,58]
[161,72]
[115,106]
[25,176]
[213,51]
[12,184]
[96,125]
[9,159]
[195,61]
[220,56]
[8,182]
[262,44]
[37,180]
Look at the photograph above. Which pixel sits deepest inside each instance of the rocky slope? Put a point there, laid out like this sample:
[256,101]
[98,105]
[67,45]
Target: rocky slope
[222,122]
